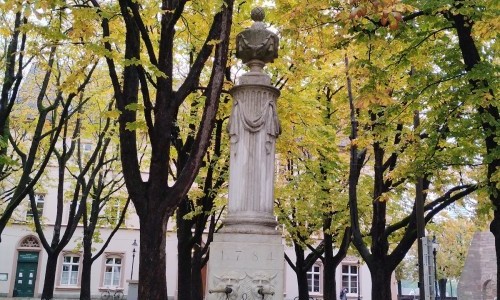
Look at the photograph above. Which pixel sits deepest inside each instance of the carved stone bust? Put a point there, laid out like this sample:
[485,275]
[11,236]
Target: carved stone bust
[256,42]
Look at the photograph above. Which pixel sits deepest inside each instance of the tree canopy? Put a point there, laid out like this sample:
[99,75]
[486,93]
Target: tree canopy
[378,96]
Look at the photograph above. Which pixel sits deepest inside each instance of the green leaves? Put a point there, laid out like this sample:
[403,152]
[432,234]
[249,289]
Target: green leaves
[414,112]
[137,125]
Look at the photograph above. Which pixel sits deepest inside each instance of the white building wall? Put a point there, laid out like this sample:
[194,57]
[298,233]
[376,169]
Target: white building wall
[291,290]
[18,230]
[120,244]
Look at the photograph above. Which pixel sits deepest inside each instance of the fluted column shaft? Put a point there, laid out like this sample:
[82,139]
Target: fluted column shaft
[253,129]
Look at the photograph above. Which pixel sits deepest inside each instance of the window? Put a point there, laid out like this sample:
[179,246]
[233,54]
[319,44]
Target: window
[350,278]
[77,207]
[313,279]
[115,211]
[112,272]
[30,242]
[40,201]
[70,266]
[87,147]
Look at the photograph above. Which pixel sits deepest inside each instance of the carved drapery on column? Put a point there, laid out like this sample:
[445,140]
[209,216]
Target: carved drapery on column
[247,255]
[253,129]
[258,110]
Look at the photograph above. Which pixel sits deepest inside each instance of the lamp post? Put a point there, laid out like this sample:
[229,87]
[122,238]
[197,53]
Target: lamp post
[359,279]
[419,211]
[434,252]
[134,244]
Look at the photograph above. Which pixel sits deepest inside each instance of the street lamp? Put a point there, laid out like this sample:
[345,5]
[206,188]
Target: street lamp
[134,244]
[435,246]
[359,275]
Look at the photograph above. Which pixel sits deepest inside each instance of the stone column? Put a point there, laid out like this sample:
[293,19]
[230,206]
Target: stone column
[253,129]
[246,257]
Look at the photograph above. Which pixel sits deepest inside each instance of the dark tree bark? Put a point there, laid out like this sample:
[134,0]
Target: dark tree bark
[380,276]
[442,288]
[329,266]
[89,230]
[377,256]
[191,247]
[331,261]
[51,266]
[301,273]
[11,82]
[302,285]
[490,119]
[85,286]
[60,238]
[103,189]
[155,201]
[191,253]
[184,254]
[28,160]
[50,275]
[302,265]
[196,274]
[153,243]
[57,244]
[400,291]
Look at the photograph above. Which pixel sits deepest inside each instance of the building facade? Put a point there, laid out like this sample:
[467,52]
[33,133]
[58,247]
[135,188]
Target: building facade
[23,261]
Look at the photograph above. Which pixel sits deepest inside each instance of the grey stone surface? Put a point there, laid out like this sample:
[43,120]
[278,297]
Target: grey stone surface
[253,128]
[257,43]
[247,256]
[246,263]
[133,290]
[478,278]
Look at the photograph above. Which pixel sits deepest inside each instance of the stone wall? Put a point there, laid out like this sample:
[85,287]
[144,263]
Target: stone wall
[478,279]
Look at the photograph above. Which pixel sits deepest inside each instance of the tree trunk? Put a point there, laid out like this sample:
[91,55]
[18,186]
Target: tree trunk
[301,273]
[303,286]
[85,293]
[329,282]
[196,278]
[442,288]
[331,262]
[184,266]
[152,258]
[50,276]
[400,290]
[381,282]
[490,118]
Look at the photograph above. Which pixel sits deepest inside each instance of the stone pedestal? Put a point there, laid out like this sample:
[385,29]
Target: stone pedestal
[133,289]
[247,256]
[247,264]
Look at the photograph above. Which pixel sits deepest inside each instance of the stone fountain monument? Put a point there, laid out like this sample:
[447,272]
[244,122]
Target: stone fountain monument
[246,256]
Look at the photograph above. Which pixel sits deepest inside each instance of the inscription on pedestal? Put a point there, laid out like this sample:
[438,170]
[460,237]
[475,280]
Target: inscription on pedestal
[245,256]
[254,271]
